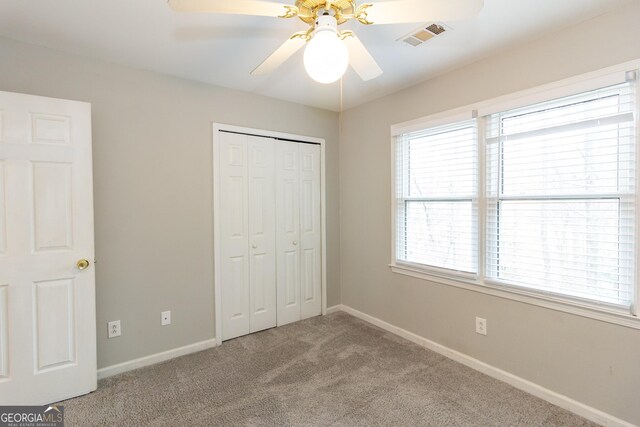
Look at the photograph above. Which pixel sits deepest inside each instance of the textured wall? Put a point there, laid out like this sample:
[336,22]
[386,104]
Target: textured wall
[152,156]
[587,360]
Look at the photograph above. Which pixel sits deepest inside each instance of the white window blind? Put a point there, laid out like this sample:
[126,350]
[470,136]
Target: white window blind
[561,196]
[436,198]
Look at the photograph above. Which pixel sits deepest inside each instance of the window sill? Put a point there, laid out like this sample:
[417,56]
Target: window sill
[604,314]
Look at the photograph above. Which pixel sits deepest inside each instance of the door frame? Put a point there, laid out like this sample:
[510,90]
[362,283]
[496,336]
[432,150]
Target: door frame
[217,127]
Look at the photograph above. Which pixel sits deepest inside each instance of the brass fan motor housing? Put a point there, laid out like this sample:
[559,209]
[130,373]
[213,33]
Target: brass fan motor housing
[309,8]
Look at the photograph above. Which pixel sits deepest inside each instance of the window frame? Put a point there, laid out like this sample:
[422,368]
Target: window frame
[504,289]
[473,199]
[621,197]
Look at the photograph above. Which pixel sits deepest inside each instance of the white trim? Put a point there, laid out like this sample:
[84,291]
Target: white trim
[635,305]
[394,201]
[439,119]
[323,225]
[155,358]
[520,383]
[481,264]
[217,290]
[217,127]
[267,133]
[446,273]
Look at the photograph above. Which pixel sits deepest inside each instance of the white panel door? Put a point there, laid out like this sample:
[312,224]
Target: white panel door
[287,231]
[47,304]
[310,234]
[234,235]
[262,239]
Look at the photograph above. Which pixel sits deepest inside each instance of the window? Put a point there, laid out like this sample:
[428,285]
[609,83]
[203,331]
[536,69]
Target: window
[560,187]
[437,197]
[537,200]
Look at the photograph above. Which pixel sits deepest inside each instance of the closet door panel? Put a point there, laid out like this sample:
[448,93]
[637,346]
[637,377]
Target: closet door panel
[287,231]
[234,256]
[262,233]
[310,232]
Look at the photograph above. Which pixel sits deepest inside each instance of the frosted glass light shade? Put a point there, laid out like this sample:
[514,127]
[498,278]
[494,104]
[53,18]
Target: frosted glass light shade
[326,57]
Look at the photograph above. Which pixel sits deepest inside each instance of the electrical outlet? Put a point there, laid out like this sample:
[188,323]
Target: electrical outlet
[114,329]
[165,318]
[481,326]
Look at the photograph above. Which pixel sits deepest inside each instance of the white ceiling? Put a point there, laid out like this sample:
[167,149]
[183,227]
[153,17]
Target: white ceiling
[223,49]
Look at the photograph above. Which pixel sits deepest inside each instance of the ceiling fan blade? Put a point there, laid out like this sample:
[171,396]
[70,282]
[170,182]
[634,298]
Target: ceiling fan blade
[360,58]
[405,11]
[235,7]
[281,54]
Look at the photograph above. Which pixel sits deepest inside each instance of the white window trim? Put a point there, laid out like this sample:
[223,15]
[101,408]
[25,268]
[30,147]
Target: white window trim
[570,86]
[457,122]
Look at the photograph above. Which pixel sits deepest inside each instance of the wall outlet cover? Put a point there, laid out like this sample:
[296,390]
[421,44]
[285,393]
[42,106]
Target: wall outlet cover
[481,326]
[114,329]
[165,318]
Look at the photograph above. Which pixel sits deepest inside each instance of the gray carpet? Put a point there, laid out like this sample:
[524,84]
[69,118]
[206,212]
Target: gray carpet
[331,370]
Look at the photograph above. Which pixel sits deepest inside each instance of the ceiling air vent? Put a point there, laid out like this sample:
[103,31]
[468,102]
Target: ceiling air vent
[435,29]
[421,35]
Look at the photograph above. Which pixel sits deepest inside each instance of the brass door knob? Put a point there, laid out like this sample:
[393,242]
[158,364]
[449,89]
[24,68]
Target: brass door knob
[82,264]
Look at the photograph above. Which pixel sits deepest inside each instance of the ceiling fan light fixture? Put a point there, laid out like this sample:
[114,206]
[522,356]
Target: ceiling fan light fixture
[326,57]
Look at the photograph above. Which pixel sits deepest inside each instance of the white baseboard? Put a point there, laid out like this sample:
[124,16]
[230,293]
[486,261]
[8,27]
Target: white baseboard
[550,396]
[334,308]
[155,358]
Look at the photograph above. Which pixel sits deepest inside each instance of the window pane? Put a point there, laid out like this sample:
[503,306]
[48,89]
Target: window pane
[561,196]
[570,247]
[441,234]
[442,164]
[563,111]
[576,162]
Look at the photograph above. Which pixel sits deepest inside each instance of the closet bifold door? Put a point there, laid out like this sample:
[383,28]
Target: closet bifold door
[234,235]
[299,238]
[310,233]
[247,228]
[287,231]
[262,233]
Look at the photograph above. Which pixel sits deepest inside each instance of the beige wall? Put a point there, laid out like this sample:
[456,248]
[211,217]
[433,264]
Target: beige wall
[590,361]
[152,157]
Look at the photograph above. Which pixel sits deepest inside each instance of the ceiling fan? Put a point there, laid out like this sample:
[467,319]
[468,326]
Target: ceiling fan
[329,51]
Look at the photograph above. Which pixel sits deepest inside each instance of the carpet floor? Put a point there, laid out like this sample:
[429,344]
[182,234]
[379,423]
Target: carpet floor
[332,370]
